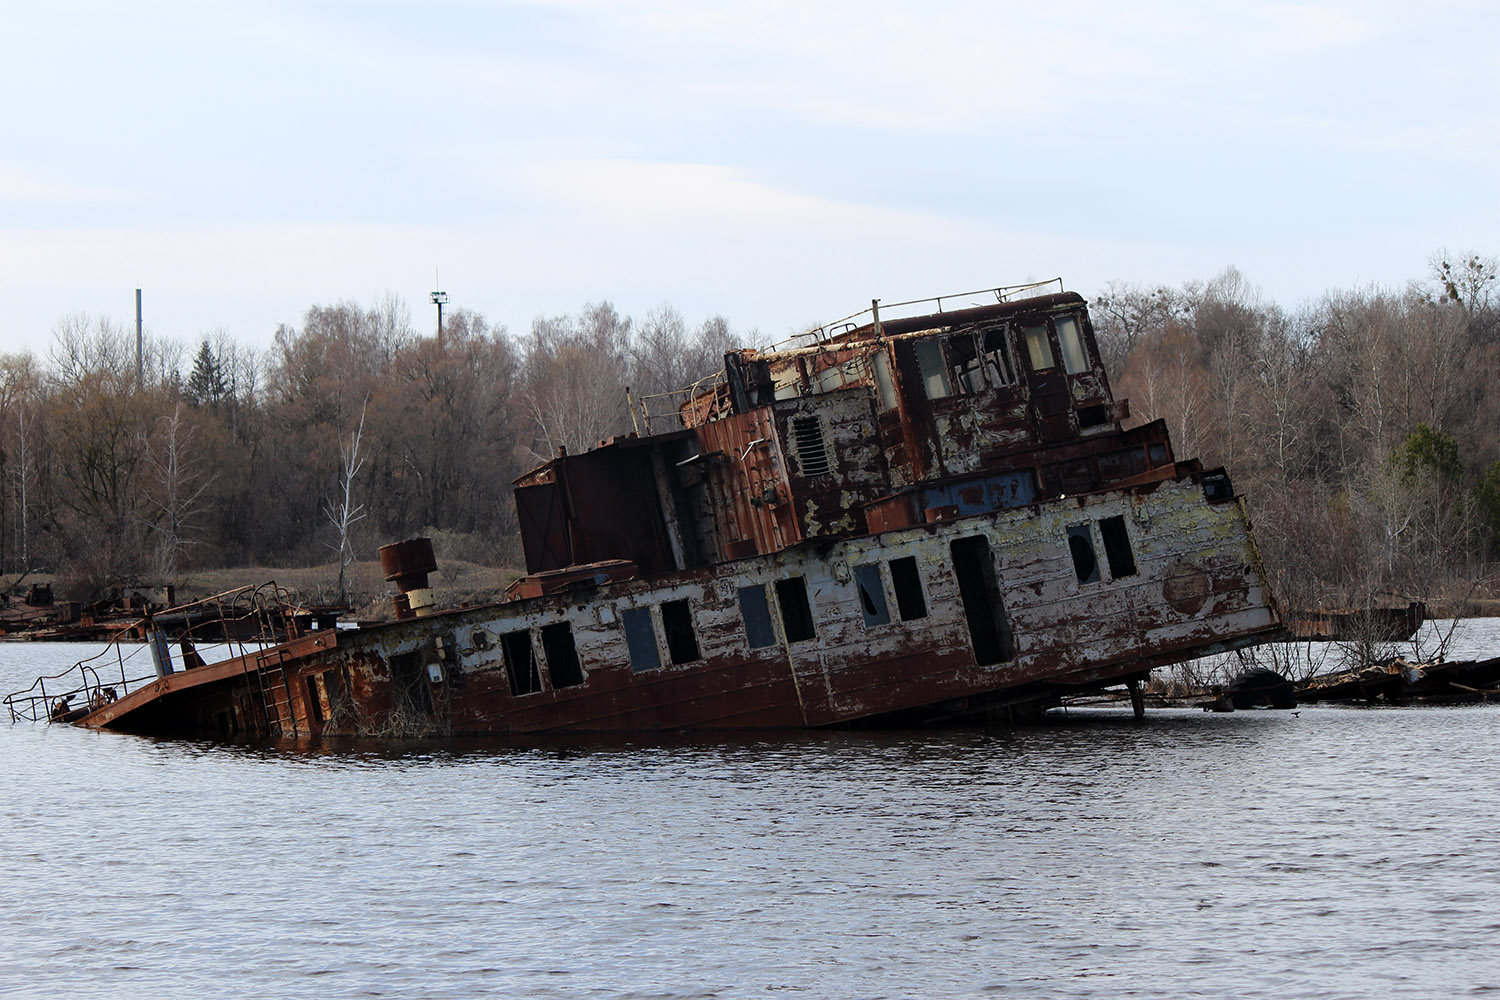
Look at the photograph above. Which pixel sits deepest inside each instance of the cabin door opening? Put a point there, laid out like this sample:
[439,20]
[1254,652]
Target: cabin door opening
[975,569]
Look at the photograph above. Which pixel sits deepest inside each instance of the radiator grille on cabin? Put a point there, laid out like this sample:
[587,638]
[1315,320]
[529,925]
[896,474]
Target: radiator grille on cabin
[811,449]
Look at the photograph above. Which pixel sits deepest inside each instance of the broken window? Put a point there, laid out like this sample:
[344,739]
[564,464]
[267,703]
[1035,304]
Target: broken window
[840,374]
[682,641]
[1085,561]
[964,363]
[1038,348]
[1117,547]
[907,583]
[998,368]
[871,595]
[886,387]
[756,611]
[1093,416]
[974,567]
[317,701]
[934,371]
[796,613]
[410,690]
[520,664]
[1070,339]
[640,639]
[562,655]
[809,446]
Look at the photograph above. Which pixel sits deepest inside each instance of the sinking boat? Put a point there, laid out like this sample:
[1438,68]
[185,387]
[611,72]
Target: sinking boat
[919,513]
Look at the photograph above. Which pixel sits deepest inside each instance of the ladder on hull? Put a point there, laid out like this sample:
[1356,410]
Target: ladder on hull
[272,690]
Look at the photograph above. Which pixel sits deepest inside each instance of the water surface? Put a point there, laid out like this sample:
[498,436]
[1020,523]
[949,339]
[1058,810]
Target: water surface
[1331,853]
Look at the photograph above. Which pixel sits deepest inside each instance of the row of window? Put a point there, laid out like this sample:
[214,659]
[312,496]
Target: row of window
[794,609]
[971,361]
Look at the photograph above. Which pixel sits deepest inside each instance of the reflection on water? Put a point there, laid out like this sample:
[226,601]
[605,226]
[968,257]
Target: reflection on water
[1330,853]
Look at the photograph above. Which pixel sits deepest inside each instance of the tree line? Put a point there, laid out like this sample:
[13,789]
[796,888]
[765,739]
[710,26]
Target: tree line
[217,455]
[1364,428]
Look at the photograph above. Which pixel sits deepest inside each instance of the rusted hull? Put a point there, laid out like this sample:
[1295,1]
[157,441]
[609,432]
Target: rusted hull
[933,617]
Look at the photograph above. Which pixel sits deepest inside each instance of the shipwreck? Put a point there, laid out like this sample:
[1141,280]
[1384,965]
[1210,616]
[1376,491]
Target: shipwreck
[921,513]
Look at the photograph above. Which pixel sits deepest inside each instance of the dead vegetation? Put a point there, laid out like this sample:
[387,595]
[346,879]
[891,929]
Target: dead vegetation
[457,584]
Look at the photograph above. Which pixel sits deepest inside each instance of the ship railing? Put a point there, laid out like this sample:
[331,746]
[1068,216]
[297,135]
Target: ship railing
[233,624]
[658,412]
[935,305]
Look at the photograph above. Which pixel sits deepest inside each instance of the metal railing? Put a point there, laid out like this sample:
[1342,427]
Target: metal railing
[241,621]
[936,305]
[648,413]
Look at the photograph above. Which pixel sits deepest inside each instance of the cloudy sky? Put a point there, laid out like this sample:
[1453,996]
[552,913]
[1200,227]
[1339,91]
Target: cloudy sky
[780,163]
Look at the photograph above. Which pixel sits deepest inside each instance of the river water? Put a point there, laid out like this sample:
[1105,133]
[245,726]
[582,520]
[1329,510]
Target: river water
[1334,852]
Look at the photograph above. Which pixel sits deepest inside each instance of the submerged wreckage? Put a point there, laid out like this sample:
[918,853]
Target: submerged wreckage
[934,516]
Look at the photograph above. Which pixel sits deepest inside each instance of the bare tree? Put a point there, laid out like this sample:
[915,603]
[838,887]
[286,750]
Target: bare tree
[343,512]
[180,488]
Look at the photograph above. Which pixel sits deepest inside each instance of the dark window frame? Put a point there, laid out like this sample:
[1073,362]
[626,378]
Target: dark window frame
[869,588]
[644,656]
[1118,550]
[906,581]
[755,613]
[512,646]
[795,605]
[682,634]
[560,650]
[1084,552]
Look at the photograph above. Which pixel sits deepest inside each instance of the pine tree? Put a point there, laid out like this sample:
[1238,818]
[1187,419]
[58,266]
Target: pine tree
[207,386]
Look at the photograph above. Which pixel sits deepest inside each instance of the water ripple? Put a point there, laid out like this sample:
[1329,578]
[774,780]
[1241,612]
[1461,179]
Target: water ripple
[1338,853]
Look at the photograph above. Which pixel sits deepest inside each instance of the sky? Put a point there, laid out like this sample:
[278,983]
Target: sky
[778,163]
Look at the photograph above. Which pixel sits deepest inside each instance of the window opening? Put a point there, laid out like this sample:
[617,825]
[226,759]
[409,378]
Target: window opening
[640,639]
[1093,416]
[998,368]
[682,641]
[975,569]
[786,382]
[907,583]
[755,609]
[934,372]
[332,682]
[562,655]
[1117,546]
[796,612]
[1085,561]
[883,382]
[811,449]
[840,374]
[1070,339]
[315,696]
[871,595]
[409,687]
[520,664]
[1038,348]
[963,354]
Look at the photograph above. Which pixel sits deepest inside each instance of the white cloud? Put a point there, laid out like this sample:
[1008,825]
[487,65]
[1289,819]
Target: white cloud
[706,197]
[22,185]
